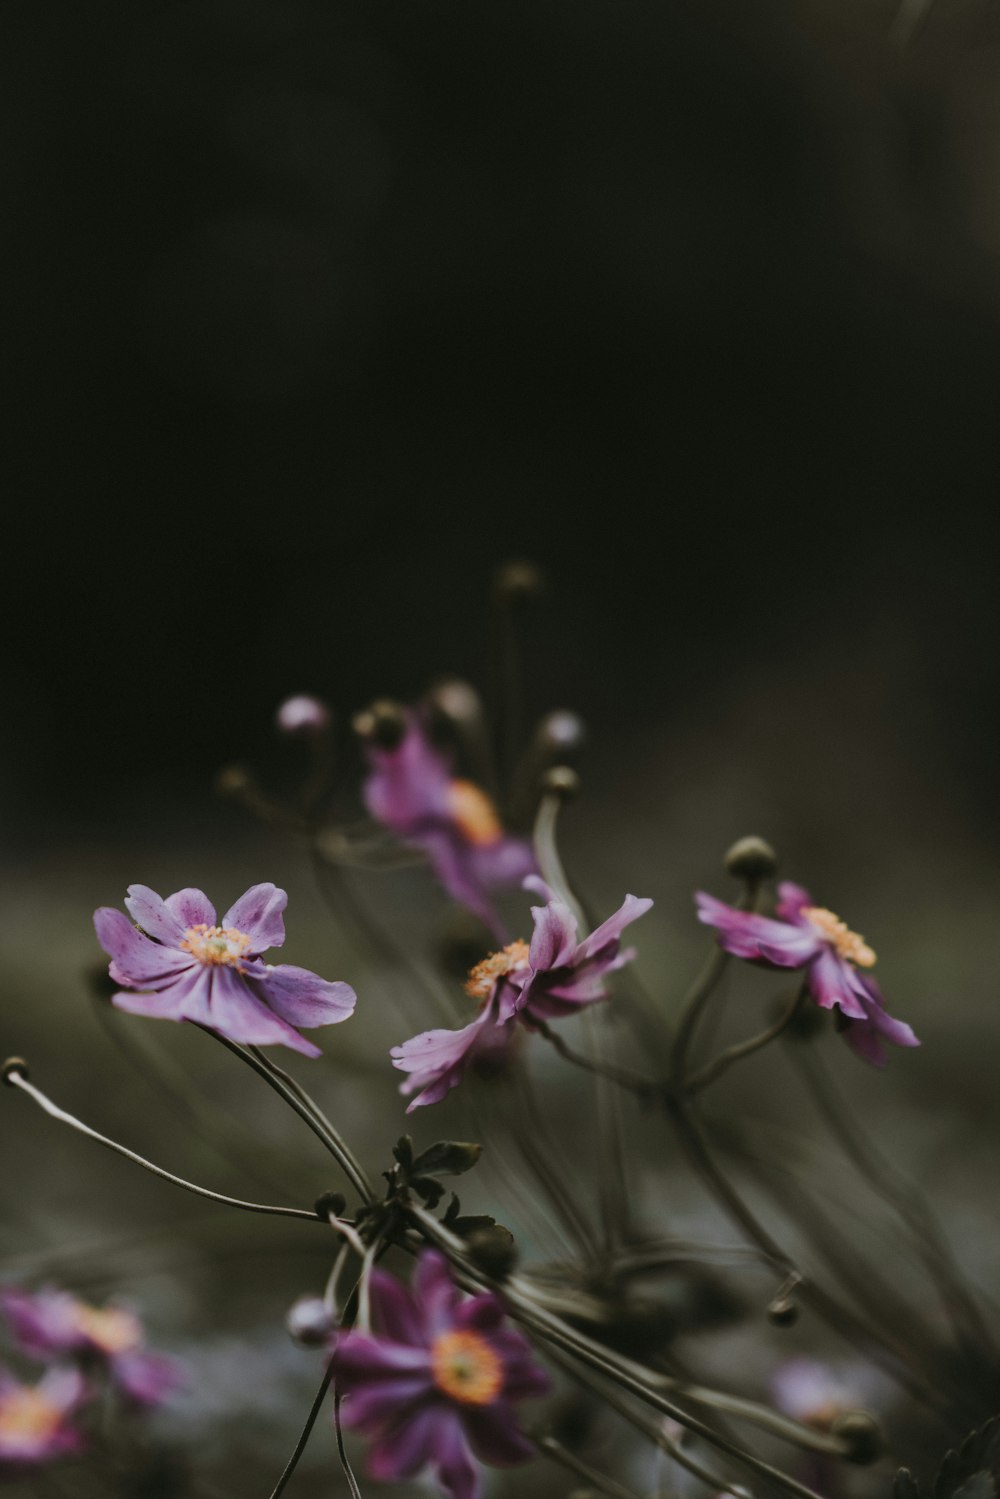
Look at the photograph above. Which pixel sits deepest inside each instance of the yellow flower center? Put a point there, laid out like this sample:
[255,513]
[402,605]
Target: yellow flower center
[111,1329]
[480,982]
[472,812]
[465,1367]
[848,943]
[28,1415]
[215,945]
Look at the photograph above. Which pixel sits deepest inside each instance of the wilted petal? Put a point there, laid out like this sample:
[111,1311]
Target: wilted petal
[151,912]
[257,914]
[758,938]
[303,998]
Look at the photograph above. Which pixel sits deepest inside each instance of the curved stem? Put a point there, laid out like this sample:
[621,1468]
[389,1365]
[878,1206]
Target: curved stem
[642,1087]
[300,1445]
[18,1080]
[741,1049]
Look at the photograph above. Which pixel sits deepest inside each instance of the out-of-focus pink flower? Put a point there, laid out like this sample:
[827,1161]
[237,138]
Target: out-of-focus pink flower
[36,1420]
[189,968]
[436,1384]
[53,1324]
[810,937]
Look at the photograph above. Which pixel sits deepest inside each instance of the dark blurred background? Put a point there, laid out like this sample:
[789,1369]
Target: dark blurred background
[316,312]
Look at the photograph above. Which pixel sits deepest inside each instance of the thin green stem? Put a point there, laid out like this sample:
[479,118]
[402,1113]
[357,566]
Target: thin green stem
[737,1052]
[599,1483]
[18,1080]
[300,1445]
[642,1087]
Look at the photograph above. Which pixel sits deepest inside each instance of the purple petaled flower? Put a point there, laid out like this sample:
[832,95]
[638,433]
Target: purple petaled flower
[35,1420]
[188,968]
[554,977]
[51,1323]
[437,1382]
[411,790]
[811,937]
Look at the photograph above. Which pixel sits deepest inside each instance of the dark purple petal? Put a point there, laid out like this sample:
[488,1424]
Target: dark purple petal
[362,1359]
[191,907]
[456,1472]
[483,1313]
[554,938]
[408,784]
[495,1437]
[257,914]
[435,1293]
[235,1012]
[831,981]
[135,959]
[609,931]
[792,900]
[865,1037]
[374,1406]
[151,912]
[394,1310]
[409,1443]
[303,998]
[758,938]
[146,1378]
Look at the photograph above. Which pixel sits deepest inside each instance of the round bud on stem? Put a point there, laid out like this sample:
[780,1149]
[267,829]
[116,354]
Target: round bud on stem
[783,1312]
[561,781]
[303,717]
[560,733]
[519,580]
[861,1436]
[310,1322]
[331,1205]
[384,723]
[456,701]
[14,1065]
[493,1250]
[751,859]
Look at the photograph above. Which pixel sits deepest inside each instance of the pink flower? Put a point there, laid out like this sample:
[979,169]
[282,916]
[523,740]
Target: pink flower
[189,968]
[35,1420]
[810,937]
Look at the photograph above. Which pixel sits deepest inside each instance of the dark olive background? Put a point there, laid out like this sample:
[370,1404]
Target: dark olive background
[314,313]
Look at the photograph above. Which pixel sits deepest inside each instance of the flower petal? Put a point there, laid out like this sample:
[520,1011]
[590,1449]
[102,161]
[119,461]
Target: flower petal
[409,1444]
[409,783]
[435,1293]
[495,1437]
[191,907]
[831,982]
[632,907]
[151,912]
[362,1359]
[303,998]
[554,938]
[257,914]
[758,938]
[169,1003]
[792,899]
[437,1059]
[146,1378]
[456,1472]
[394,1310]
[136,959]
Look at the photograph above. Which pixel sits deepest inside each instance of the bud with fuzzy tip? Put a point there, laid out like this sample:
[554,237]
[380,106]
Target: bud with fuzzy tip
[751,859]
[303,717]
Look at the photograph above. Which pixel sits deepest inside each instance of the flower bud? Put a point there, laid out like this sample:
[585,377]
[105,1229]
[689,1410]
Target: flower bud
[12,1065]
[384,723]
[783,1312]
[561,781]
[310,1322]
[331,1205]
[456,701]
[751,859]
[493,1250]
[519,580]
[560,733]
[861,1435]
[303,717]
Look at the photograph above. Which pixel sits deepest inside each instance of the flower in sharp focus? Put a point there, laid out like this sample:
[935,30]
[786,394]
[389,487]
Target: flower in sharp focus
[186,967]
[812,938]
[436,1384]
[35,1420]
[555,976]
[53,1324]
[411,791]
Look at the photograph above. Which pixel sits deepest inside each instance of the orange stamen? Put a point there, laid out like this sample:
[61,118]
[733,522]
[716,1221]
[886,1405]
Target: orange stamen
[466,1368]
[111,1329]
[473,813]
[480,982]
[28,1415]
[848,943]
[216,945]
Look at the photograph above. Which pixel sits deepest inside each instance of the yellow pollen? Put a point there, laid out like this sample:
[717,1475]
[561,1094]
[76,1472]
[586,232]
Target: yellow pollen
[480,982]
[215,945]
[466,1368]
[28,1415]
[111,1329]
[848,943]
[473,813]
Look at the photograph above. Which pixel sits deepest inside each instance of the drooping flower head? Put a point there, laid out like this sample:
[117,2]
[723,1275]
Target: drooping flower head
[411,790]
[555,976]
[435,1385]
[36,1424]
[53,1324]
[812,938]
[188,967]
